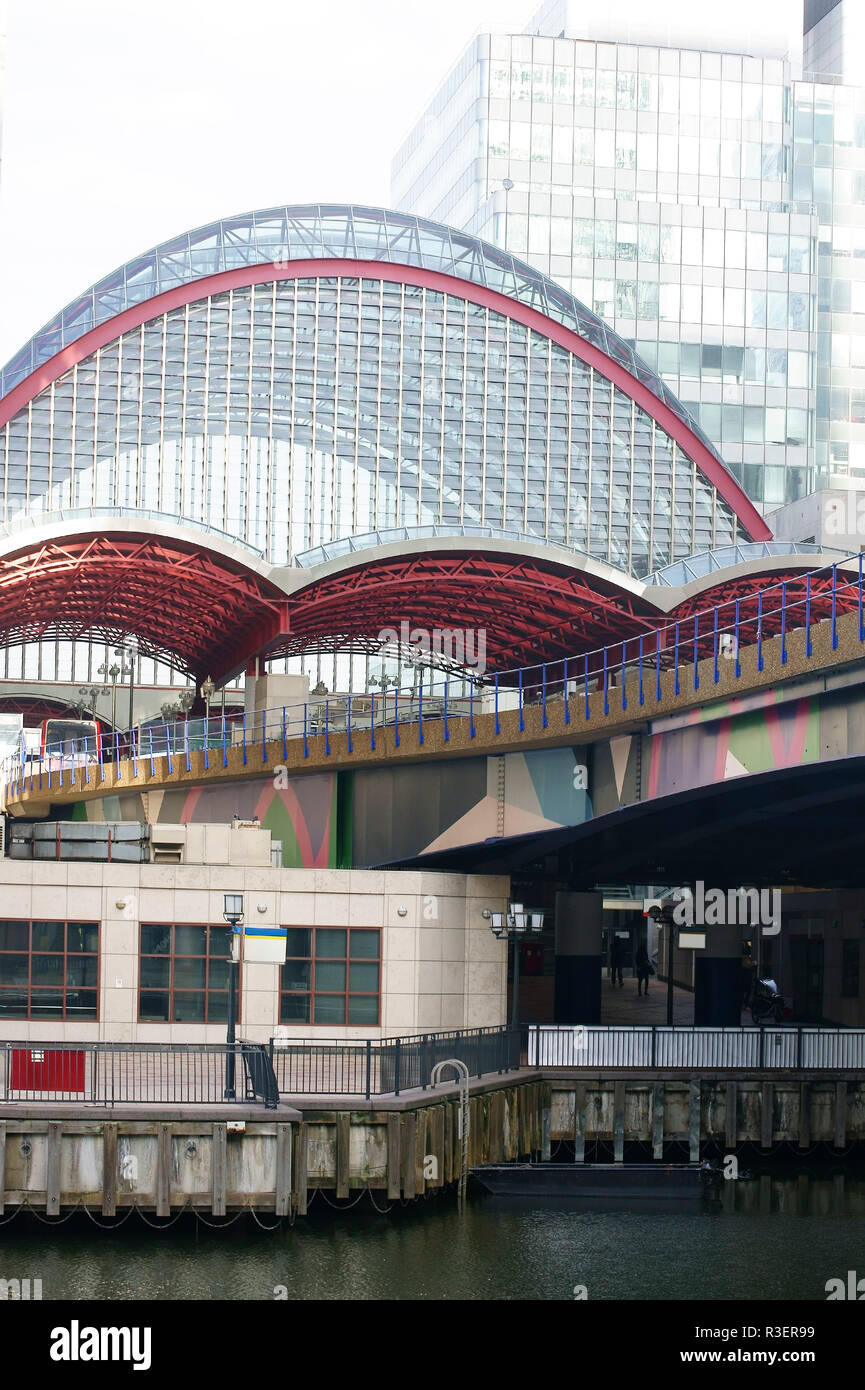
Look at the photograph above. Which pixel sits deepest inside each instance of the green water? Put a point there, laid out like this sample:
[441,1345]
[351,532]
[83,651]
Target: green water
[781,1239]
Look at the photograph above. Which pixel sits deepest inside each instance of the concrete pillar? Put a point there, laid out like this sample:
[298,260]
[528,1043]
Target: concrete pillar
[271,692]
[579,961]
[718,978]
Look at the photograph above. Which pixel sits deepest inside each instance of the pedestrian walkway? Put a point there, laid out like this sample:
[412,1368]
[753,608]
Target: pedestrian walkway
[623,1005]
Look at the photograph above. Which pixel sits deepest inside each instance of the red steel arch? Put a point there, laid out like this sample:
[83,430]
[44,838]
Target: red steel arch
[800,597]
[243,276]
[210,613]
[530,608]
[182,599]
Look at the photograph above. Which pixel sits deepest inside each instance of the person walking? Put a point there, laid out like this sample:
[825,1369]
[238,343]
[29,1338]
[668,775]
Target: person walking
[617,951]
[644,968]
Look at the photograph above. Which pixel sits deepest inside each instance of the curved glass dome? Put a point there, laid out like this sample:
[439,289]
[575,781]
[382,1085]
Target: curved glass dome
[323,231]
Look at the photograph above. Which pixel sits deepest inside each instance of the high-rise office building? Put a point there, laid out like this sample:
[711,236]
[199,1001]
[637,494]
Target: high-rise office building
[699,189]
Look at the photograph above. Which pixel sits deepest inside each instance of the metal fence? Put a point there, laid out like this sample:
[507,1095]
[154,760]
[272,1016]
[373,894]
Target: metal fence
[805,1047]
[106,1073]
[389,1065]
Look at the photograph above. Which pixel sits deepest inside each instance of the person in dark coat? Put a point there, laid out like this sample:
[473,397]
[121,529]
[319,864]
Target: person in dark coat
[644,969]
[617,952]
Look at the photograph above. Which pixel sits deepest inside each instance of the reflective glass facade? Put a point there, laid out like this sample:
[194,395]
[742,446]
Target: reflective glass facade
[668,189]
[829,173]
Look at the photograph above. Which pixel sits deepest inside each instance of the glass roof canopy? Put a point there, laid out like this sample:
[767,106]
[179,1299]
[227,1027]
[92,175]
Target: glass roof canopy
[324,231]
[708,561]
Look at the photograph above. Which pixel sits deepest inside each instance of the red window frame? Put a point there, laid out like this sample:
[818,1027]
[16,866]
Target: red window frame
[346,994]
[171,989]
[33,991]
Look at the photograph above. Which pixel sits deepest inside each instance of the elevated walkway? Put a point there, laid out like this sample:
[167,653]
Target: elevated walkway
[684,667]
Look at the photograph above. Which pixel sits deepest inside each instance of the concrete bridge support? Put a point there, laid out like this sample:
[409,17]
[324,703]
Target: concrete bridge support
[718,978]
[579,957]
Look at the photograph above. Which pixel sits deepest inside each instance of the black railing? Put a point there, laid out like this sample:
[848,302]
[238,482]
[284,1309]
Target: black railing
[109,1073]
[387,1066]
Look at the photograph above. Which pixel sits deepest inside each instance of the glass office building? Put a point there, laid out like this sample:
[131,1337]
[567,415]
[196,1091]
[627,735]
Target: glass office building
[703,202]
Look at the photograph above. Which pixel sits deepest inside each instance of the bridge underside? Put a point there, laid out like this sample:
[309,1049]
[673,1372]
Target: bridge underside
[796,826]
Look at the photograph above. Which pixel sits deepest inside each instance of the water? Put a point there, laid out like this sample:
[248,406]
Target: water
[779,1240]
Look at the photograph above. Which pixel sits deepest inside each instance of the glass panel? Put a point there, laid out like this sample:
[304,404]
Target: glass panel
[81,1004]
[155,973]
[153,1007]
[13,936]
[13,970]
[364,977]
[190,941]
[84,970]
[297,941]
[47,936]
[295,974]
[155,940]
[217,1008]
[294,1008]
[188,1008]
[329,1008]
[13,1003]
[47,970]
[190,974]
[329,942]
[46,1003]
[82,936]
[330,975]
[217,975]
[219,939]
[364,944]
[362,1009]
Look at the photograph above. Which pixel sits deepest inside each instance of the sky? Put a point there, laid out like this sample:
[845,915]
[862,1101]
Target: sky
[125,124]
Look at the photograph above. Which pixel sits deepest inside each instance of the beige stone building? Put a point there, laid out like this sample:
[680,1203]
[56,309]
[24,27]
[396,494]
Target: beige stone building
[136,952]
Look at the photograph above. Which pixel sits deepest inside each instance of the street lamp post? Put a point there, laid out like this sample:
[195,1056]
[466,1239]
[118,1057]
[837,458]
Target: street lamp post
[129,652]
[233,915]
[207,691]
[115,672]
[87,697]
[507,185]
[513,925]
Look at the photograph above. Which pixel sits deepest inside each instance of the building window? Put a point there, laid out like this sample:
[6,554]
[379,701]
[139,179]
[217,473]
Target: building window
[183,974]
[850,970]
[49,970]
[331,975]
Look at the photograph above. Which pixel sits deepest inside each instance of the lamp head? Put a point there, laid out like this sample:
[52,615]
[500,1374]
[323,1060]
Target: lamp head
[233,912]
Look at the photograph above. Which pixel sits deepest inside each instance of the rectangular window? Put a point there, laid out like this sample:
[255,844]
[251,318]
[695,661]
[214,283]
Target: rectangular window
[49,970]
[183,973]
[331,976]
